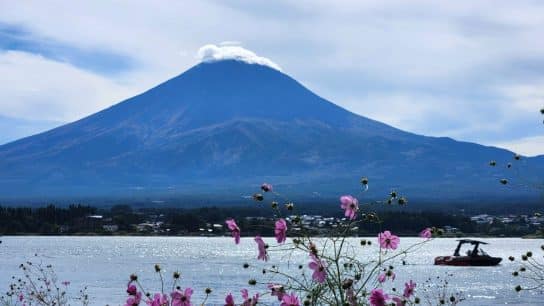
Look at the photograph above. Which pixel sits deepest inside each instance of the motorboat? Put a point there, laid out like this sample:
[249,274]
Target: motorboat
[474,257]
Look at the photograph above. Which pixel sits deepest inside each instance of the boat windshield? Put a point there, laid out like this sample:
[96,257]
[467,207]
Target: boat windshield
[482,252]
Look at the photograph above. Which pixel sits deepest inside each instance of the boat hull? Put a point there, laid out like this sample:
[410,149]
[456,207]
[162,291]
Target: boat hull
[467,261]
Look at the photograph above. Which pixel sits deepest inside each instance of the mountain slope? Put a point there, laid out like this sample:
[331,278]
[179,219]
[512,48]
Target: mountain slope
[220,128]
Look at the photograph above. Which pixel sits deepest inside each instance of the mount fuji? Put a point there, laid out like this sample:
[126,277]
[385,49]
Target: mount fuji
[221,128]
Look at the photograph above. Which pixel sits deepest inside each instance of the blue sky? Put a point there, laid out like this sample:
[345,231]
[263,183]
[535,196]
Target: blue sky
[471,70]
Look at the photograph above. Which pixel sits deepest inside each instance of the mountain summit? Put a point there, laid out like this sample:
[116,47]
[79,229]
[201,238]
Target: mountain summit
[223,127]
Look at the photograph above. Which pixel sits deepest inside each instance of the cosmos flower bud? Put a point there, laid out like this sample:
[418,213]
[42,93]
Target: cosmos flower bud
[246,265]
[522,269]
[393,194]
[524,257]
[504,181]
[529,254]
[517,157]
[509,166]
[452,299]
[402,201]
[176,275]
[511,258]
[258,197]
[358,276]
[266,187]
[133,277]
[157,268]
[208,290]
[363,242]
[274,204]
[518,288]
[252,282]
[347,283]
[542,111]
[417,300]
[290,206]
[364,181]
[492,163]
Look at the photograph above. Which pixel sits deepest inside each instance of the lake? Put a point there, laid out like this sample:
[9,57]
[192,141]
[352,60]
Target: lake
[105,263]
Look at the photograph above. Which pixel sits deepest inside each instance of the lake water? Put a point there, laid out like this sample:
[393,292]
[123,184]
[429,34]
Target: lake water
[104,264]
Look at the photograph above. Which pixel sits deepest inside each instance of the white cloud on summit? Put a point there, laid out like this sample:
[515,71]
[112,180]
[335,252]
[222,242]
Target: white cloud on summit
[231,51]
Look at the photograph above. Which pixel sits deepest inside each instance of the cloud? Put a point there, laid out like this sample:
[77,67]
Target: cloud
[35,87]
[230,51]
[529,146]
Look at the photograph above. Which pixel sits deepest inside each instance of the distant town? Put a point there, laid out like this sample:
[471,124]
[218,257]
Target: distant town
[209,221]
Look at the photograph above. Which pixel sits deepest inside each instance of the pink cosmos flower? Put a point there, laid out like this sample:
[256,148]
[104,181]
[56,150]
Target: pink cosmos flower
[426,233]
[235,230]
[180,298]
[280,231]
[158,300]
[398,301]
[263,254]
[388,240]
[409,289]
[131,290]
[134,300]
[21,297]
[383,277]
[266,187]
[320,273]
[290,300]
[247,300]
[378,298]
[277,290]
[229,300]
[350,205]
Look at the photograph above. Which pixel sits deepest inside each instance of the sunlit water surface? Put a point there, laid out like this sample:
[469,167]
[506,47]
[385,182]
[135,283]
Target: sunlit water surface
[104,264]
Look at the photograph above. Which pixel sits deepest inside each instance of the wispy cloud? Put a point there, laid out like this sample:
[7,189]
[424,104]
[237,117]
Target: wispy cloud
[232,51]
[17,38]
